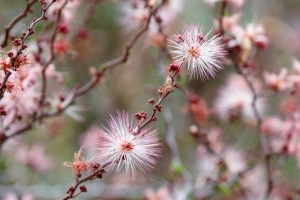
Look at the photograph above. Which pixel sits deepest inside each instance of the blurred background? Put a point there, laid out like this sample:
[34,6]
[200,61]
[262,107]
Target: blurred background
[32,164]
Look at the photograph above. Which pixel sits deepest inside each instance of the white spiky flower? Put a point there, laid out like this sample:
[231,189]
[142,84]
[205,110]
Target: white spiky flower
[120,147]
[202,54]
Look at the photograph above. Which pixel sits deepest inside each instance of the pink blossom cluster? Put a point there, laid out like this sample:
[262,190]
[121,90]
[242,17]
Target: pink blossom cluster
[284,82]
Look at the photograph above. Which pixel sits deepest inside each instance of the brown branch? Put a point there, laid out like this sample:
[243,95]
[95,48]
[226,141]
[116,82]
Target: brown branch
[15,20]
[262,137]
[160,100]
[164,47]
[52,55]
[222,13]
[71,194]
[129,45]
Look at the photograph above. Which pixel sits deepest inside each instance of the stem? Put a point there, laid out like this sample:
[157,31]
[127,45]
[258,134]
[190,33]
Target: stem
[52,55]
[15,20]
[262,137]
[222,13]
[88,178]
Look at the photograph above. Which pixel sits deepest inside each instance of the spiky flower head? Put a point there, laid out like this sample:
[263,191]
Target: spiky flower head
[201,54]
[121,145]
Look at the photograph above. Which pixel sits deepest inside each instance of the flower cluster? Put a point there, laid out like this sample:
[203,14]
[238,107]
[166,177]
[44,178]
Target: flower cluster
[284,82]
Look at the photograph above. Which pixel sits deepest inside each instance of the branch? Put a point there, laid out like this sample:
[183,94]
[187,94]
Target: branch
[52,55]
[15,20]
[171,141]
[222,13]
[71,192]
[262,137]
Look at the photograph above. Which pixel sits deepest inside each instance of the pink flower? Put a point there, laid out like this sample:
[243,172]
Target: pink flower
[250,179]
[161,194]
[235,159]
[119,146]
[201,54]
[278,82]
[271,125]
[34,157]
[229,22]
[236,3]
[62,100]
[91,138]
[135,15]
[13,196]
[256,33]
[68,13]
[170,10]
[235,100]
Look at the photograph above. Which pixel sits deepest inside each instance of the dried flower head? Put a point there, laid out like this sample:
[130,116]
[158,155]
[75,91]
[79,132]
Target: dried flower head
[121,145]
[201,54]
[80,163]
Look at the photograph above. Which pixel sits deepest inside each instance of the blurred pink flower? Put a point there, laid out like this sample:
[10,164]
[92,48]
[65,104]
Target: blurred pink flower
[161,194]
[201,54]
[294,77]
[62,100]
[229,22]
[278,83]
[135,14]
[236,3]
[170,10]
[246,38]
[34,157]
[91,138]
[250,181]
[13,196]
[51,72]
[256,33]
[68,13]
[271,125]
[119,146]
[235,159]
[235,100]
[285,81]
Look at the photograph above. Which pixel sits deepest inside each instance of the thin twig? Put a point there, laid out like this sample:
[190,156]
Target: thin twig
[262,137]
[15,20]
[52,54]
[79,182]
[171,141]
[222,14]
